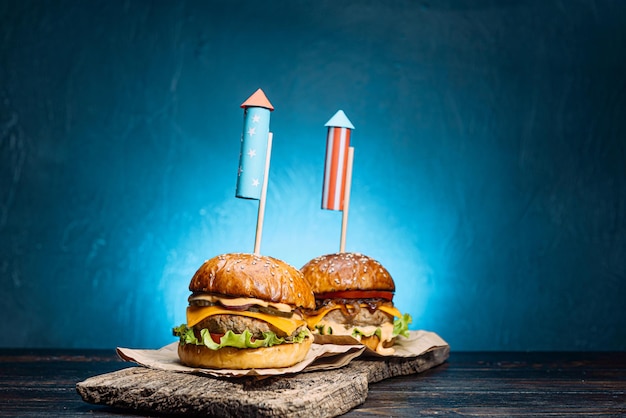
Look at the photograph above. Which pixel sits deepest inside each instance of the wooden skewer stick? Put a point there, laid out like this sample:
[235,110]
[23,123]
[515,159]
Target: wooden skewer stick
[346,201]
[261,215]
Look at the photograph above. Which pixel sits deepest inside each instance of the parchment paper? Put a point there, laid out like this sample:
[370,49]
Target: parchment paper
[320,357]
[417,343]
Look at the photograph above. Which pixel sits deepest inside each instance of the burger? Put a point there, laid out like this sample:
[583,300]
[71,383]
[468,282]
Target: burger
[245,312]
[354,298]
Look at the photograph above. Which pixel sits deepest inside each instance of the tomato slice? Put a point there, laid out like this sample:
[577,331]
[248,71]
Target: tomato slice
[356,294]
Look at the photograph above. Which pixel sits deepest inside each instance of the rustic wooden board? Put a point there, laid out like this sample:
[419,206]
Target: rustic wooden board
[315,394]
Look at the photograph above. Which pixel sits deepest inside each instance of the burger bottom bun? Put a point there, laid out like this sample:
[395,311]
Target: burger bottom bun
[276,356]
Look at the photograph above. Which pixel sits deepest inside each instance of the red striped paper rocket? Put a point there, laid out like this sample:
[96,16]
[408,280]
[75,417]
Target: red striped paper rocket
[336,164]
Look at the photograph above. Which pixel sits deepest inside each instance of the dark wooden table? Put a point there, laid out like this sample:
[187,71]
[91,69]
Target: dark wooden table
[42,383]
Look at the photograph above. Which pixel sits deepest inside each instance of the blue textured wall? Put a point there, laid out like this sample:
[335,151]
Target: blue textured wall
[490,166]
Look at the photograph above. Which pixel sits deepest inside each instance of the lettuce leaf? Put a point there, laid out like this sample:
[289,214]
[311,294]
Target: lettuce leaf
[401,325]
[186,334]
[357,332]
[230,339]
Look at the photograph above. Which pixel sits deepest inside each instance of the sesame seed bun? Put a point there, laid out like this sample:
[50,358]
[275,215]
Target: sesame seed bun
[347,271]
[253,276]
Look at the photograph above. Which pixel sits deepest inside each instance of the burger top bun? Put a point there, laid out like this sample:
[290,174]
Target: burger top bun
[253,276]
[347,271]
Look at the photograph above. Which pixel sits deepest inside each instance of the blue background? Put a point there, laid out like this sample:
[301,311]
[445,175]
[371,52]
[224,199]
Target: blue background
[489,178]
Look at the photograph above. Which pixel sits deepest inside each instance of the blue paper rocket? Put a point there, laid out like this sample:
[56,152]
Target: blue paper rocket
[252,157]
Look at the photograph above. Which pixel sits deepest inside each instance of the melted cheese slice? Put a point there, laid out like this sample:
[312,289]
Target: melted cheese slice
[195,314]
[312,321]
[391,310]
[386,333]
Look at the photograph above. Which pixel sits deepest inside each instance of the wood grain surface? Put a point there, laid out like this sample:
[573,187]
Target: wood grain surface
[42,383]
